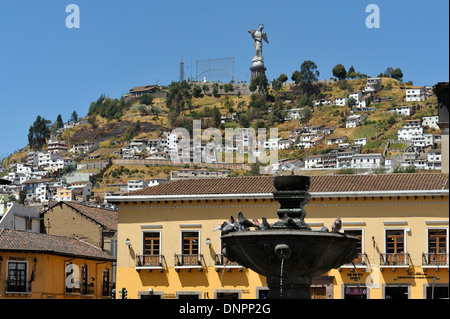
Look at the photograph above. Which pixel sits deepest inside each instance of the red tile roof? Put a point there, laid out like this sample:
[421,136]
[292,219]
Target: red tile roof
[319,184]
[21,241]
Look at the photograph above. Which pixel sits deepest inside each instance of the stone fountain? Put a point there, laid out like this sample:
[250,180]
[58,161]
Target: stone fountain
[288,253]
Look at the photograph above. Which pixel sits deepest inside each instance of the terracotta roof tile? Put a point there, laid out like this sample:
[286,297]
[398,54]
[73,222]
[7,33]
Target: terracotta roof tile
[15,240]
[319,184]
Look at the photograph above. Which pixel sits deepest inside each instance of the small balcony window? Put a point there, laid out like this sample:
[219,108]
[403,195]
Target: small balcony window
[395,255]
[437,254]
[190,256]
[151,248]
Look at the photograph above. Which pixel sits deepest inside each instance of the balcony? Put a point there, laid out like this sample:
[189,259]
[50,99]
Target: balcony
[394,260]
[434,260]
[188,262]
[359,262]
[222,262]
[150,262]
[18,288]
[85,290]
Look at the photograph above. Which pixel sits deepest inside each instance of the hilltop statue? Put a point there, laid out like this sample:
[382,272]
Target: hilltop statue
[258,36]
[258,60]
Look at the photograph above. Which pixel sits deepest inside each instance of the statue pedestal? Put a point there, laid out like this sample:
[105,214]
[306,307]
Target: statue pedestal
[257,70]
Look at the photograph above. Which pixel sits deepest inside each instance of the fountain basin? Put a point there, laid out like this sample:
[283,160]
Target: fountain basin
[288,253]
[305,254]
[312,253]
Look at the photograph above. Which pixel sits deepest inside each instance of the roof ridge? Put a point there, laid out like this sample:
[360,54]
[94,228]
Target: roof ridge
[319,184]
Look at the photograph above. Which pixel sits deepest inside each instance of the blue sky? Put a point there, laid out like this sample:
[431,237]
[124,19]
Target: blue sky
[48,69]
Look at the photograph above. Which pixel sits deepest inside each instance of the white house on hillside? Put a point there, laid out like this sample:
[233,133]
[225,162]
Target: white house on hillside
[403,110]
[430,121]
[415,95]
[367,160]
[410,128]
[341,101]
[355,120]
[373,85]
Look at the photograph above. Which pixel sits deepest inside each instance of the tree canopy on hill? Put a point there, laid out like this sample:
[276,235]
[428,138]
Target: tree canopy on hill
[38,133]
[108,108]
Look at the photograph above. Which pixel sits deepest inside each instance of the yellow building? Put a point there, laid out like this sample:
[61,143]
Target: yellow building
[40,266]
[169,245]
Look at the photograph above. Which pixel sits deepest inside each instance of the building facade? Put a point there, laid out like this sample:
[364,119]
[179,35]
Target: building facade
[40,266]
[169,242]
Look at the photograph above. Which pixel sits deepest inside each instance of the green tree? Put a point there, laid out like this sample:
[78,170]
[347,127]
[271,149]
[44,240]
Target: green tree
[351,74]
[305,114]
[196,91]
[307,75]
[215,89]
[95,107]
[296,77]
[397,74]
[351,102]
[177,96]
[259,83]
[146,99]
[74,117]
[228,87]
[282,78]
[339,72]
[38,133]
[59,122]
[216,116]
[276,84]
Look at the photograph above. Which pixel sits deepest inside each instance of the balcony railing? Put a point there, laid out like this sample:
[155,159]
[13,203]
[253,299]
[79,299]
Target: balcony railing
[188,261]
[15,287]
[82,290]
[360,261]
[150,262]
[435,260]
[220,261]
[395,260]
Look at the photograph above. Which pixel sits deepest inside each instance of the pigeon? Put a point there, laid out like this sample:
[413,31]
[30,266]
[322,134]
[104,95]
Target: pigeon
[219,227]
[289,222]
[265,224]
[236,225]
[324,229]
[257,224]
[227,228]
[244,221]
[336,226]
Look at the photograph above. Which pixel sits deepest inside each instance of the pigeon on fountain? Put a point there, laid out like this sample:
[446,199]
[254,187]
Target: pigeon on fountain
[265,224]
[324,229]
[257,224]
[236,225]
[227,228]
[289,222]
[336,226]
[244,222]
